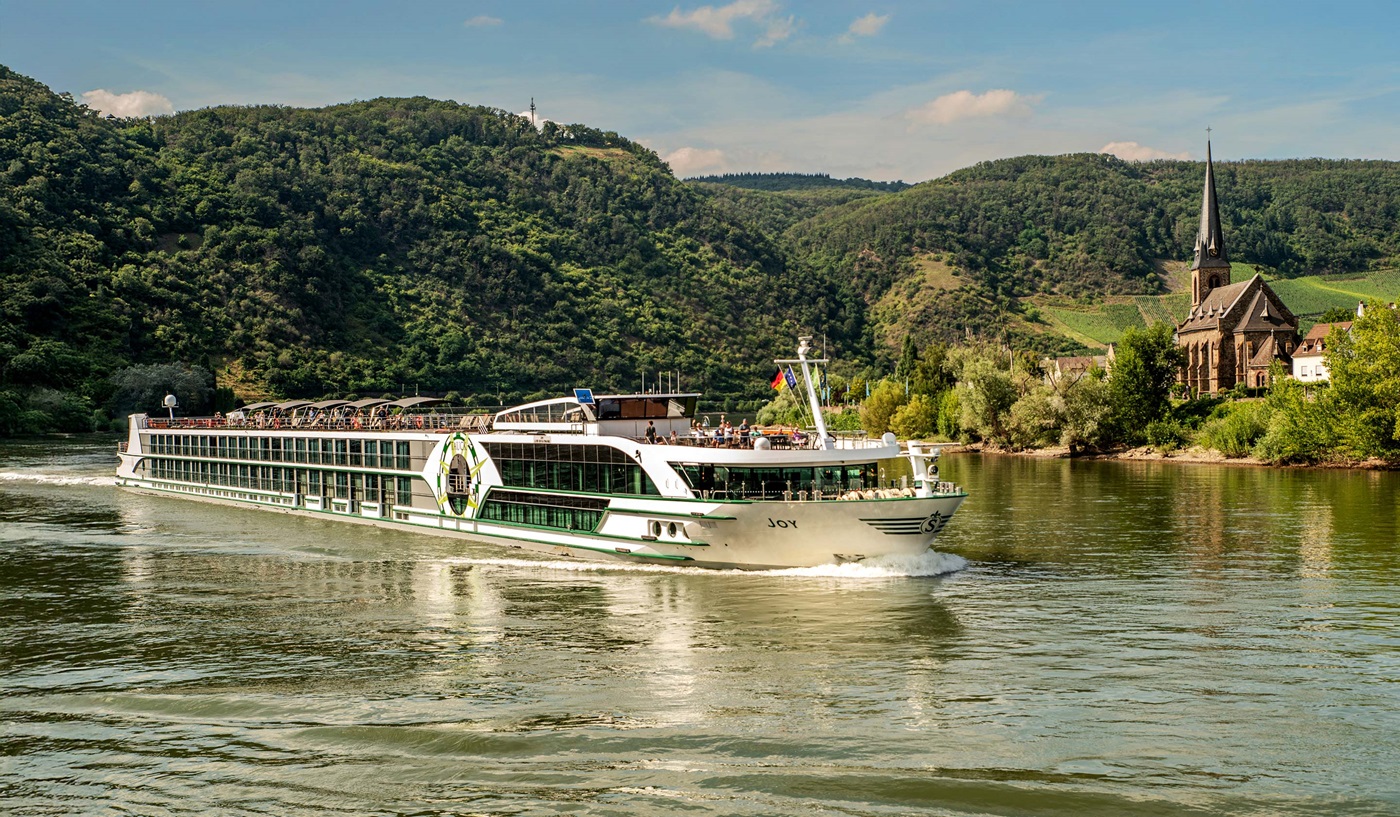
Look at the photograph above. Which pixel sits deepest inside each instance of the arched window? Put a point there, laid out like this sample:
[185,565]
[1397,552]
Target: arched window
[1214,281]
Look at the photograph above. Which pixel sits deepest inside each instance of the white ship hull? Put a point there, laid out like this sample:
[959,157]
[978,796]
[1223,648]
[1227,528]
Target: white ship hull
[737,535]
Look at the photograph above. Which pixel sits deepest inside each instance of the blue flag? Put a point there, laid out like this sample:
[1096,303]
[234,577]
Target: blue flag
[791,378]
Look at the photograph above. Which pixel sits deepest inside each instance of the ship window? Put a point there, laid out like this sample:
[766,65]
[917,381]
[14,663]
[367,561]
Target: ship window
[544,510]
[595,469]
[356,453]
[773,483]
[401,458]
[371,453]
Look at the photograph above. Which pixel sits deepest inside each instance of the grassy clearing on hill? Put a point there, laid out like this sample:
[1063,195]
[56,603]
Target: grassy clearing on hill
[1308,297]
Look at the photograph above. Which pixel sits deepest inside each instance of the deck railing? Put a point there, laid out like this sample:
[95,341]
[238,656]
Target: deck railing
[782,441]
[440,420]
[826,494]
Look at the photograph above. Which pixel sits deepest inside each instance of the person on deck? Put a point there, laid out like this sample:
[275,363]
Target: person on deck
[651,431]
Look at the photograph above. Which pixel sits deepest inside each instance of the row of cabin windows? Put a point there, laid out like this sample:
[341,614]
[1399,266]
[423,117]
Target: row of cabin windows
[543,510]
[591,478]
[594,469]
[309,450]
[774,482]
[328,484]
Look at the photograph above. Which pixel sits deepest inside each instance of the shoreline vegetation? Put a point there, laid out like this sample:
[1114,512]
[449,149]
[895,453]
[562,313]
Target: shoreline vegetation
[1146,453]
[998,400]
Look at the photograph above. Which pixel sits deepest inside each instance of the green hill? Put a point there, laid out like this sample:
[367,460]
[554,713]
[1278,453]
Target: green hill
[1092,226]
[361,247]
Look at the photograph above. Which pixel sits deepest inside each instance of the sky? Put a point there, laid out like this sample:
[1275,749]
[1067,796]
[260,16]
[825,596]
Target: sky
[881,90]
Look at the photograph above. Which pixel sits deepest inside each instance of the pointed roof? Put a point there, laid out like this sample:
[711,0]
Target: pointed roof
[1315,342]
[1263,316]
[1268,351]
[1217,303]
[1210,240]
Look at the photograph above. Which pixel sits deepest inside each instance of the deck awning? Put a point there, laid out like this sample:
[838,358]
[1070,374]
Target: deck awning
[291,405]
[414,402]
[367,402]
[257,407]
[325,404]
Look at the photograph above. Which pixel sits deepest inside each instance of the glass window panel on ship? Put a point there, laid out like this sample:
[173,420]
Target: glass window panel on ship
[579,513]
[593,469]
[773,482]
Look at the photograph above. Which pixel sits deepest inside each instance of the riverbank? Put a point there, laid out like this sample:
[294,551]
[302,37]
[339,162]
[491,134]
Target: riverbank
[1193,455]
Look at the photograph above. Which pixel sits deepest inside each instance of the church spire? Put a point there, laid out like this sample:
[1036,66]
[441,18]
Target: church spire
[1210,241]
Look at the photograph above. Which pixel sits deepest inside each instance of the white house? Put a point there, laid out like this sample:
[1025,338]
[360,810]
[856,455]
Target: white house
[1309,364]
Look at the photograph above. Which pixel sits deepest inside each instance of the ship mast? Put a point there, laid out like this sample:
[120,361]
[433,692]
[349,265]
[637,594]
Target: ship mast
[804,345]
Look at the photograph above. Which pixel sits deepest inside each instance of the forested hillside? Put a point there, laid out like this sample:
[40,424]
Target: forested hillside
[964,250]
[412,243]
[356,248]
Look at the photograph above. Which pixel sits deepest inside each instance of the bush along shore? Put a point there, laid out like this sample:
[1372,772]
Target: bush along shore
[987,398]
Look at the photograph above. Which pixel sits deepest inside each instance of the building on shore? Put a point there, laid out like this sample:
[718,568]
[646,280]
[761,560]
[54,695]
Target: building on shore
[1071,369]
[1309,360]
[1234,331]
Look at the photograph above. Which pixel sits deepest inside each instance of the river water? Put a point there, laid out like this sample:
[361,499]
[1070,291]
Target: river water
[1103,638]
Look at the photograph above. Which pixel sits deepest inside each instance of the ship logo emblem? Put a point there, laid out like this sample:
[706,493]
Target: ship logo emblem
[933,523]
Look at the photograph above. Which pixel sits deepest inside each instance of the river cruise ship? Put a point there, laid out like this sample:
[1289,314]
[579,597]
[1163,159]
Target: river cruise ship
[621,477]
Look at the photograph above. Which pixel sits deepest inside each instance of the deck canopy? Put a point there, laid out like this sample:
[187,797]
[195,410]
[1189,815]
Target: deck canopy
[414,402]
[326,404]
[257,407]
[367,402]
[292,405]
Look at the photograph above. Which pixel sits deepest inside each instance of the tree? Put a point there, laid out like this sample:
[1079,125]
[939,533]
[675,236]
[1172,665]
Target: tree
[1140,383]
[1365,384]
[1035,419]
[908,359]
[986,393]
[1298,429]
[880,407]
[917,418]
[1087,412]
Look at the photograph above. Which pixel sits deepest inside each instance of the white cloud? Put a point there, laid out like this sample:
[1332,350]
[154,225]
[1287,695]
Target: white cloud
[1134,152]
[136,103]
[717,22]
[689,161]
[869,25]
[482,20]
[778,30]
[960,105]
[539,117]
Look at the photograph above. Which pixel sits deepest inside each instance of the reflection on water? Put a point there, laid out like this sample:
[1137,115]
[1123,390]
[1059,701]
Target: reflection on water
[1125,637]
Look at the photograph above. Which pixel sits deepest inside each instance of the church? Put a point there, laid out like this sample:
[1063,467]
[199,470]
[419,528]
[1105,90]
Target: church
[1234,331]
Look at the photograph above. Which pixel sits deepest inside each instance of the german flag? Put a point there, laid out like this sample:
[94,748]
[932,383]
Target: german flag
[779,380]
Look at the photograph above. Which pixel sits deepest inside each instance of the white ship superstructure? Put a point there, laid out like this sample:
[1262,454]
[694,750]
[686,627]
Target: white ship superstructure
[577,476]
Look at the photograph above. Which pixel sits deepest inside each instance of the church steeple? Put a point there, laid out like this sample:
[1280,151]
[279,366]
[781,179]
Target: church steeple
[1211,268]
